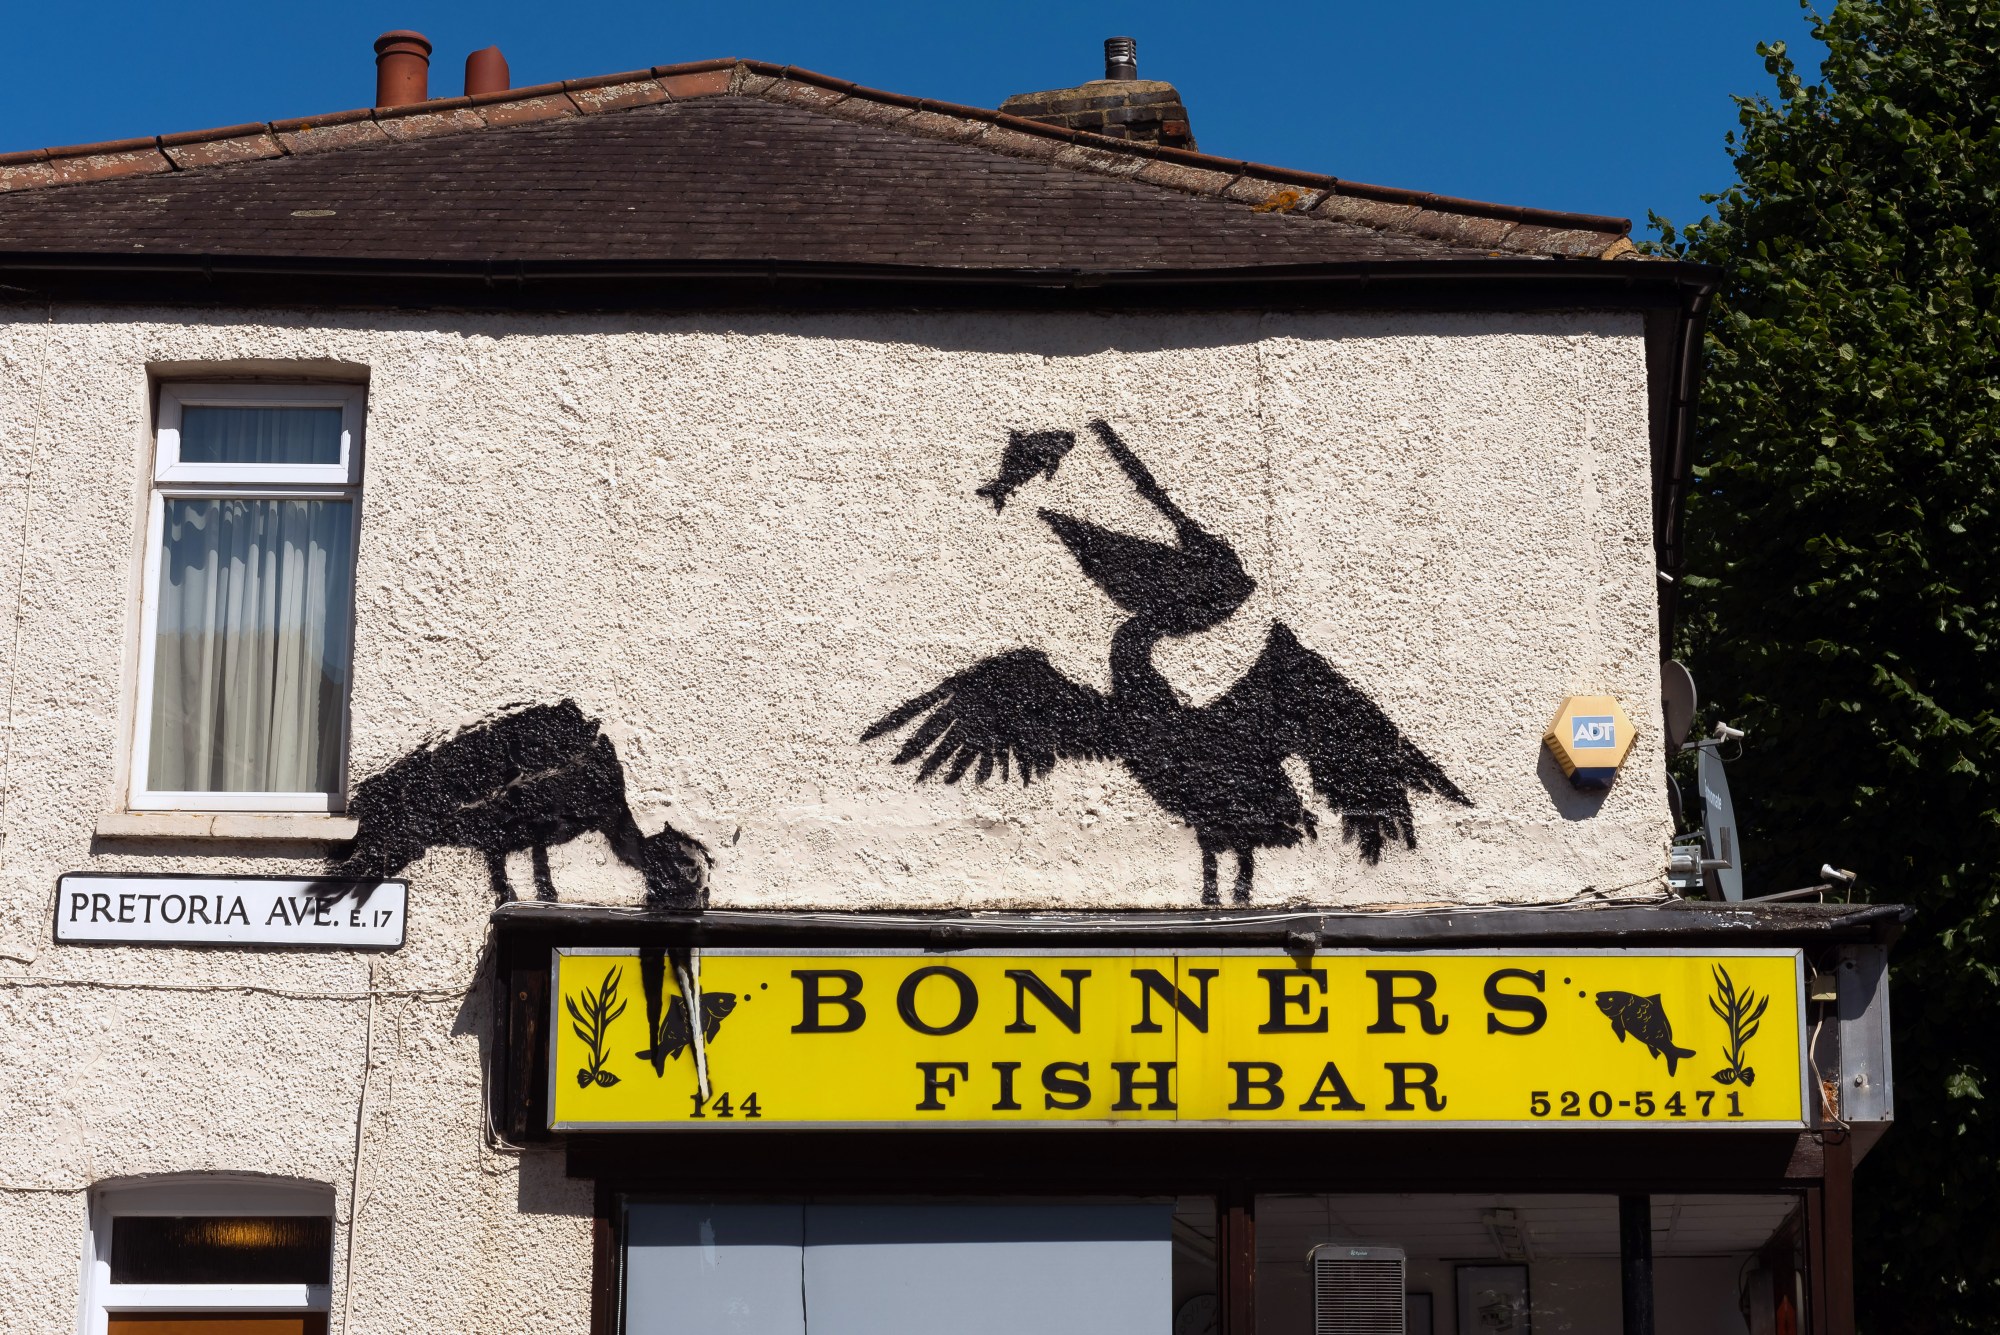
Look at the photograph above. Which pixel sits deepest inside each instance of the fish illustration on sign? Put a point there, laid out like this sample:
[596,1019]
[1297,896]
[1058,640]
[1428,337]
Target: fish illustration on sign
[674,1035]
[667,1017]
[1646,1020]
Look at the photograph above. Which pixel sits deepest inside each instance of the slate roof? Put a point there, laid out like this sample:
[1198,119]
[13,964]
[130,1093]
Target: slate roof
[732,161]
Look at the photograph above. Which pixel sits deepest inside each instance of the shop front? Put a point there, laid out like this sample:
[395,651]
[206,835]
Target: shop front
[1500,1121]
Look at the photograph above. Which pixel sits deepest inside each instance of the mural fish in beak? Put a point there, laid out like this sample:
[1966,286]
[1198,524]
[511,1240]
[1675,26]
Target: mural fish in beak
[1219,767]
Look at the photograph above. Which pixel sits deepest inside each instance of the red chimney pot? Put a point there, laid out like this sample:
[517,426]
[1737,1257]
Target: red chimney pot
[402,68]
[485,72]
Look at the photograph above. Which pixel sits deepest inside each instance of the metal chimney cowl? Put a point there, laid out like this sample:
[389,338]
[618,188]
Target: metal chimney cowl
[1121,104]
[1121,58]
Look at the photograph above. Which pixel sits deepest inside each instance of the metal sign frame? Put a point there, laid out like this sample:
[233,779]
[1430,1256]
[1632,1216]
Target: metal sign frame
[1801,1063]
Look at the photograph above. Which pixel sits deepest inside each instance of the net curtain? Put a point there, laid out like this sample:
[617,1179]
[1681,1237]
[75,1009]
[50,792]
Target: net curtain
[251,657]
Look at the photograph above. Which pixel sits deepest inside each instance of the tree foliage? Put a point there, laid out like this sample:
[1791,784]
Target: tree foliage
[1841,600]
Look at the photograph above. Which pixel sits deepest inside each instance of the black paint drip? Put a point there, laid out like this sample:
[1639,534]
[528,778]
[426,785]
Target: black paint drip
[538,776]
[1218,768]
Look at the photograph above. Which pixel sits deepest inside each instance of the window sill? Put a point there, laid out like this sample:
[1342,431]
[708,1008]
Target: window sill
[291,827]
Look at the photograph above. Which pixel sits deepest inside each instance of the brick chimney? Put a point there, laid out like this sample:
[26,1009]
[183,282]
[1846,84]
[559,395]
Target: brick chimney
[1121,104]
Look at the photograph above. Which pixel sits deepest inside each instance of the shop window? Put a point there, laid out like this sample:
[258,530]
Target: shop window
[1520,1264]
[249,594]
[208,1256]
[888,1267]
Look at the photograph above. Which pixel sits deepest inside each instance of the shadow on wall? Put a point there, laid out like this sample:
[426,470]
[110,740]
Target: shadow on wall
[525,779]
[1053,335]
[1571,802]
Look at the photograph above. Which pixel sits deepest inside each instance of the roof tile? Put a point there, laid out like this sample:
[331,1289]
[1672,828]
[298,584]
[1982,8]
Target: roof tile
[430,124]
[320,137]
[213,152]
[704,83]
[801,94]
[1366,212]
[531,109]
[643,91]
[937,125]
[1194,180]
[32,173]
[105,166]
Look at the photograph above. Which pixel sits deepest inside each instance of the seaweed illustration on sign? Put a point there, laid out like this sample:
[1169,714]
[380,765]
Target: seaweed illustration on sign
[1219,767]
[667,1028]
[1742,1014]
[592,1022]
[1646,1020]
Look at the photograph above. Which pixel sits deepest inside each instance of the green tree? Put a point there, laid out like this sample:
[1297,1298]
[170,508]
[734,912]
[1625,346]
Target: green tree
[1841,601]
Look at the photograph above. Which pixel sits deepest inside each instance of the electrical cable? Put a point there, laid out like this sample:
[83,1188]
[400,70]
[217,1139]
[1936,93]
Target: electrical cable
[1826,1106]
[360,1144]
[259,989]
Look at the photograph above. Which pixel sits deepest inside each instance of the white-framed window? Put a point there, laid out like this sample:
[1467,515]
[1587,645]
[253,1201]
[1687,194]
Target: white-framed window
[210,1253]
[247,623]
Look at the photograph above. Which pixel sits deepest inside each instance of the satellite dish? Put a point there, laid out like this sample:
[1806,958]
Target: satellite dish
[1677,701]
[1674,804]
[1718,829]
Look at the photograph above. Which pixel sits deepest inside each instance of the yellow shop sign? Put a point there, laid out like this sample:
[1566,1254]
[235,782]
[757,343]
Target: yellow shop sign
[825,1038]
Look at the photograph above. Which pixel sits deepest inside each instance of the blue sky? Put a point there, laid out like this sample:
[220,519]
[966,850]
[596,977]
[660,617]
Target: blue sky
[1566,104]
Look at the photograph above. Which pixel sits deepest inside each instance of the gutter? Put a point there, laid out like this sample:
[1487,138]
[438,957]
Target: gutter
[1623,273]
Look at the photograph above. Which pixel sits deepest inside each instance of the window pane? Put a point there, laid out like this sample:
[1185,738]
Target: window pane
[221,1249]
[695,1268]
[1518,1262]
[250,665]
[1197,1265]
[260,435]
[1053,1269]
[889,1267]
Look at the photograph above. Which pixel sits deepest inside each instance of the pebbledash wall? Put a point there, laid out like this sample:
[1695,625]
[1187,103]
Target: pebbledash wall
[738,542]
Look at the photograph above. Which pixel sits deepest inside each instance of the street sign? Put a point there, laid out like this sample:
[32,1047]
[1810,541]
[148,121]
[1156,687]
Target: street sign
[230,910]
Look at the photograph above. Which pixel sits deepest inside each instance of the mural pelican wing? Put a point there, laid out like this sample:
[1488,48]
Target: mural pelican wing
[1360,762]
[1011,711]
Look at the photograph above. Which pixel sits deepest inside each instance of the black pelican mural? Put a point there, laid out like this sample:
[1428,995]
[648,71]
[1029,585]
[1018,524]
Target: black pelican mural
[529,778]
[1218,767]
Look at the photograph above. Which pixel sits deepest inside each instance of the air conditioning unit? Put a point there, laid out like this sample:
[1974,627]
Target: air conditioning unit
[1357,1290]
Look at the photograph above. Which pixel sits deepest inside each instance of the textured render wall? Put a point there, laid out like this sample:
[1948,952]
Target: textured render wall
[738,541]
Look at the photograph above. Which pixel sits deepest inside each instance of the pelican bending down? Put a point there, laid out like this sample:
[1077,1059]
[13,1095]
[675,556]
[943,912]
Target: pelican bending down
[1217,767]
